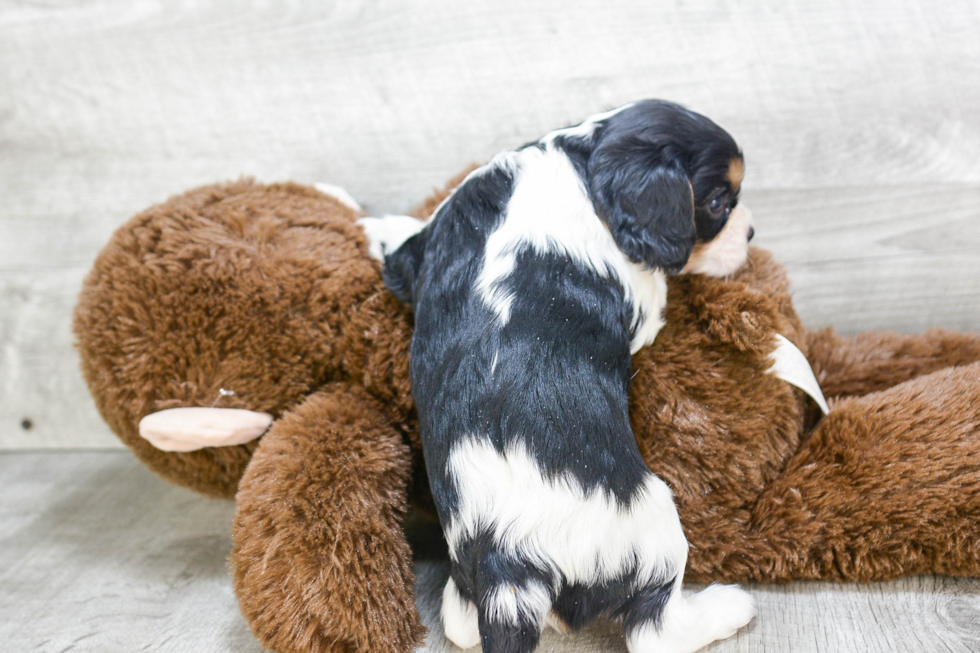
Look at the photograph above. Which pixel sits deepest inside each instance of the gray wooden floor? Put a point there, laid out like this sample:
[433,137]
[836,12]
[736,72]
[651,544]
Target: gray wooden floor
[99,555]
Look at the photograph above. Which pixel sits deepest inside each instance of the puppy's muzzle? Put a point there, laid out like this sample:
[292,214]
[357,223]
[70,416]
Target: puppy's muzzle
[727,251]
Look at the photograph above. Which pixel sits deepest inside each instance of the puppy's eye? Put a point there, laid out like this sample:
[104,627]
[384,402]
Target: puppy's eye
[718,207]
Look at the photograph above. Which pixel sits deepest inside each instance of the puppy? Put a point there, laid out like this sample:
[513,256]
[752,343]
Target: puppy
[531,286]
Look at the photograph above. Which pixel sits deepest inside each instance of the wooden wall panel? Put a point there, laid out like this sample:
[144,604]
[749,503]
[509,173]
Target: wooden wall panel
[860,123]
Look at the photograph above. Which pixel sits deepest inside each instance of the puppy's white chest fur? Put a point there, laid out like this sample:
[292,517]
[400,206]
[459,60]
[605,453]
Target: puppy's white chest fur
[550,212]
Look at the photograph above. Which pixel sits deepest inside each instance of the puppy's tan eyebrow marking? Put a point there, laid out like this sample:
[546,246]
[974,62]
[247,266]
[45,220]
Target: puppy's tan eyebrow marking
[736,171]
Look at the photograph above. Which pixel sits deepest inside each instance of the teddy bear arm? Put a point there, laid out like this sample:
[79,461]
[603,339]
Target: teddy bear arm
[320,560]
[877,360]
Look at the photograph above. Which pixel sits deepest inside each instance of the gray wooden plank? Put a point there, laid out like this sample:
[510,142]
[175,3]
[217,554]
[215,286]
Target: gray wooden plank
[898,258]
[822,94]
[44,402]
[100,555]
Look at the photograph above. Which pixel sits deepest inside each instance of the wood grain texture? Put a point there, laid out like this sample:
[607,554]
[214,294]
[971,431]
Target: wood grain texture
[902,258]
[100,555]
[860,123]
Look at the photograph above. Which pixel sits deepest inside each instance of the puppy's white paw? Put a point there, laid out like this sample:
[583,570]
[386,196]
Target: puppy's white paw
[459,618]
[725,609]
[387,234]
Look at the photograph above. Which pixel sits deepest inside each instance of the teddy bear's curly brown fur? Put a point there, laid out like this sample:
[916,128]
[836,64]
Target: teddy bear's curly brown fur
[269,291]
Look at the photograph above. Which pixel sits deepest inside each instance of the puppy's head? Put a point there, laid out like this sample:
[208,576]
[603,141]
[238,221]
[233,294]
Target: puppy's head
[666,182]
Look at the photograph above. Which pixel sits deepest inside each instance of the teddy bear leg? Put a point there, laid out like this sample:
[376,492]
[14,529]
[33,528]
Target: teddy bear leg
[877,360]
[320,561]
[888,485]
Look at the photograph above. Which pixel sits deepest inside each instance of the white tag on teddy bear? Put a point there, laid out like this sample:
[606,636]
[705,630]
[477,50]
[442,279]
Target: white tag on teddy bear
[790,365]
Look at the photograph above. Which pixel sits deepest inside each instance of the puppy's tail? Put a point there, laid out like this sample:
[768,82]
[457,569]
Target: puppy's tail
[508,637]
[512,605]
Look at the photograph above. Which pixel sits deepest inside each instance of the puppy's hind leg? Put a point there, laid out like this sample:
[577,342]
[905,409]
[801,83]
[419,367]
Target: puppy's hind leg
[661,620]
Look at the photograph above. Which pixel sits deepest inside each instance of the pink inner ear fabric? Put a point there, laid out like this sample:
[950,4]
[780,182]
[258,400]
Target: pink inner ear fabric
[189,429]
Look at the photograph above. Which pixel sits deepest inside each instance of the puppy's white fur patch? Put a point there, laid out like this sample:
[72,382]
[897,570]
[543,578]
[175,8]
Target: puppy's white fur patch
[727,251]
[386,234]
[339,194]
[583,537]
[649,290]
[550,212]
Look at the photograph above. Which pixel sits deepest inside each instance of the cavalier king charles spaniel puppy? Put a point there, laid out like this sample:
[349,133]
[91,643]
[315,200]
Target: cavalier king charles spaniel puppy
[531,285]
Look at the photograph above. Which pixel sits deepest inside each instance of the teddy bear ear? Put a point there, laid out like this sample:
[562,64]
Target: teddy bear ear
[193,428]
[401,267]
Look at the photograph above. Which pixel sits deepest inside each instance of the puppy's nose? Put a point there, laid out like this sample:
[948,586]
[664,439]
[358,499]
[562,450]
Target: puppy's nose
[751,233]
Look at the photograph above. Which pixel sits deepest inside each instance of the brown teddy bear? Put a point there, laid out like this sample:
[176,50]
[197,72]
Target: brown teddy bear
[264,299]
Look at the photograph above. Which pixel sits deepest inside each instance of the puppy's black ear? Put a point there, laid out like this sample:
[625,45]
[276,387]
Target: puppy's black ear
[646,200]
[401,268]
